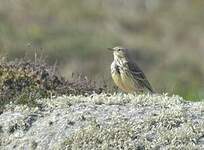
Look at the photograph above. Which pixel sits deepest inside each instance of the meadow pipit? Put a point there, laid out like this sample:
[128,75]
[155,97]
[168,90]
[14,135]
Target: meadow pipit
[126,74]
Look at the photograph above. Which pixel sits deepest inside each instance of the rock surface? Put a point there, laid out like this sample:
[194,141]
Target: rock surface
[102,121]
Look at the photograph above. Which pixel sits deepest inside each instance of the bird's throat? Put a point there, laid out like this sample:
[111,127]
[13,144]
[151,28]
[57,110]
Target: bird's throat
[120,61]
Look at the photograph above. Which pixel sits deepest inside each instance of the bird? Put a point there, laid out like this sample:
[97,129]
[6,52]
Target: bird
[126,74]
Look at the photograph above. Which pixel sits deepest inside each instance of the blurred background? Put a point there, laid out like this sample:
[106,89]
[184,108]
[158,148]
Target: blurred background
[166,38]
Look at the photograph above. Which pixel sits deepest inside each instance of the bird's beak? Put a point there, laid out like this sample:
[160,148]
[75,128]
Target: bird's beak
[110,49]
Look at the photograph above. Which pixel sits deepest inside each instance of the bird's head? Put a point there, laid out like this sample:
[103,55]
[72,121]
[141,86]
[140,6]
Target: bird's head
[119,52]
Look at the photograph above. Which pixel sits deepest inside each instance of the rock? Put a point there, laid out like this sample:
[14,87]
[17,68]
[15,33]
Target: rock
[104,122]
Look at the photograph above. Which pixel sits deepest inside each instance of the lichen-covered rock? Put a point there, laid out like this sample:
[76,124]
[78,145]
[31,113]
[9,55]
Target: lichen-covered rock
[103,121]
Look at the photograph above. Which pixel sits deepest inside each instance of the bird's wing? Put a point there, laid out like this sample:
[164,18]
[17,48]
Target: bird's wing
[139,76]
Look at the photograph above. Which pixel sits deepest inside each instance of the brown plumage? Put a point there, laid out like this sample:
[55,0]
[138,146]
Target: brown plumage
[126,74]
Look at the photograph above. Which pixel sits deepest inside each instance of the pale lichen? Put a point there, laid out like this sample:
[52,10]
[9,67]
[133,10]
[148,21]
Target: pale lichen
[105,121]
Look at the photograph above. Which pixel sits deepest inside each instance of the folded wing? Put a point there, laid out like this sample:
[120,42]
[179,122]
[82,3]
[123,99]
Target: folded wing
[139,76]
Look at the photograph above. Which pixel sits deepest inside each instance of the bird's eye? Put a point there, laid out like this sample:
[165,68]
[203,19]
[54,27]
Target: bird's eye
[119,49]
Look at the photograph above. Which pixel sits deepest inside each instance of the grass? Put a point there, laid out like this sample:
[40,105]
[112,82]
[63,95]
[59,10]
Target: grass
[164,36]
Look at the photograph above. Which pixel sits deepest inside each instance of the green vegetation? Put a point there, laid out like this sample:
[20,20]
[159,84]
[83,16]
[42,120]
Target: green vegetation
[166,38]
